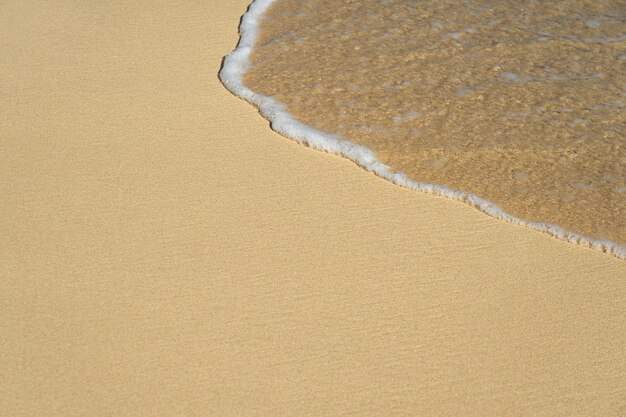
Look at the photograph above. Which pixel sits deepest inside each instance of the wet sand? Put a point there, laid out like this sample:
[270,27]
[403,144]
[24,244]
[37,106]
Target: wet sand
[163,252]
[521,103]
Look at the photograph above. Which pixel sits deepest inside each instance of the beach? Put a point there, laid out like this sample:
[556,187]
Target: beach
[164,252]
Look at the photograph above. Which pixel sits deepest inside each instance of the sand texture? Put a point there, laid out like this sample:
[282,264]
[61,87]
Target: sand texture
[163,252]
[520,103]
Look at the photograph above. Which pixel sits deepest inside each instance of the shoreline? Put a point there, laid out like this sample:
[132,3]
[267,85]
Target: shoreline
[235,65]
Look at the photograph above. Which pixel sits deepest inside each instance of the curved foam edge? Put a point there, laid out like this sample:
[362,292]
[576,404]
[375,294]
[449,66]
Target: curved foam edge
[235,65]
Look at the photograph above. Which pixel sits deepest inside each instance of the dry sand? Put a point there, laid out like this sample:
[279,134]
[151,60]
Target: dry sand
[163,252]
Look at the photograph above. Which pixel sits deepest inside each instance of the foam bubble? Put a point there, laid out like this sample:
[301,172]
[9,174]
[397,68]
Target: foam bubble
[235,65]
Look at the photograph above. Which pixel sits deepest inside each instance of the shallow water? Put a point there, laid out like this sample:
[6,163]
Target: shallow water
[521,103]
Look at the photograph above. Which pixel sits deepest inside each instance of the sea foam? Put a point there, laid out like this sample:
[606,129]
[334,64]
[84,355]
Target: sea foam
[234,67]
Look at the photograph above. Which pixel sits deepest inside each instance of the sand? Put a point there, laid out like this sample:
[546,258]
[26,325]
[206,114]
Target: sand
[520,103]
[163,252]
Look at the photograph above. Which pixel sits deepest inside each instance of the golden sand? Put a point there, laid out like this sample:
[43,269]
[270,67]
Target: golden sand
[163,252]
[521,103]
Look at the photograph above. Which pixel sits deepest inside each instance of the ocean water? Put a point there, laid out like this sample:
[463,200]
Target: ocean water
[516,107]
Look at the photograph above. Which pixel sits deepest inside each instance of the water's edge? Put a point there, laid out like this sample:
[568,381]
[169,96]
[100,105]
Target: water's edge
[235,65]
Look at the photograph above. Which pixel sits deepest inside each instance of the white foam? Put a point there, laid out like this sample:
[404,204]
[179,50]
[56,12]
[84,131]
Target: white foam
[231,74]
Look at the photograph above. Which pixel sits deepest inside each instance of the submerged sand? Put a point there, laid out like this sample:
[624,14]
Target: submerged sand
[521,103]
[163,252]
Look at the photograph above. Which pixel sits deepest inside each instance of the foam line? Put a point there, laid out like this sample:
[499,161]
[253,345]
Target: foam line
[231,75]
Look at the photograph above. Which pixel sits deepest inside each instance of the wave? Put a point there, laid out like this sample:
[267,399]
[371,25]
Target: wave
[231,74]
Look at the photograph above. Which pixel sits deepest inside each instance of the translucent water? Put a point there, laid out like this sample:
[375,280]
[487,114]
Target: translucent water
[520,104]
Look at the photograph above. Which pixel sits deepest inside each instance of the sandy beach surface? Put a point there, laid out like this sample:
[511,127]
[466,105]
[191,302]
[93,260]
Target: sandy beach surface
[163,252]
